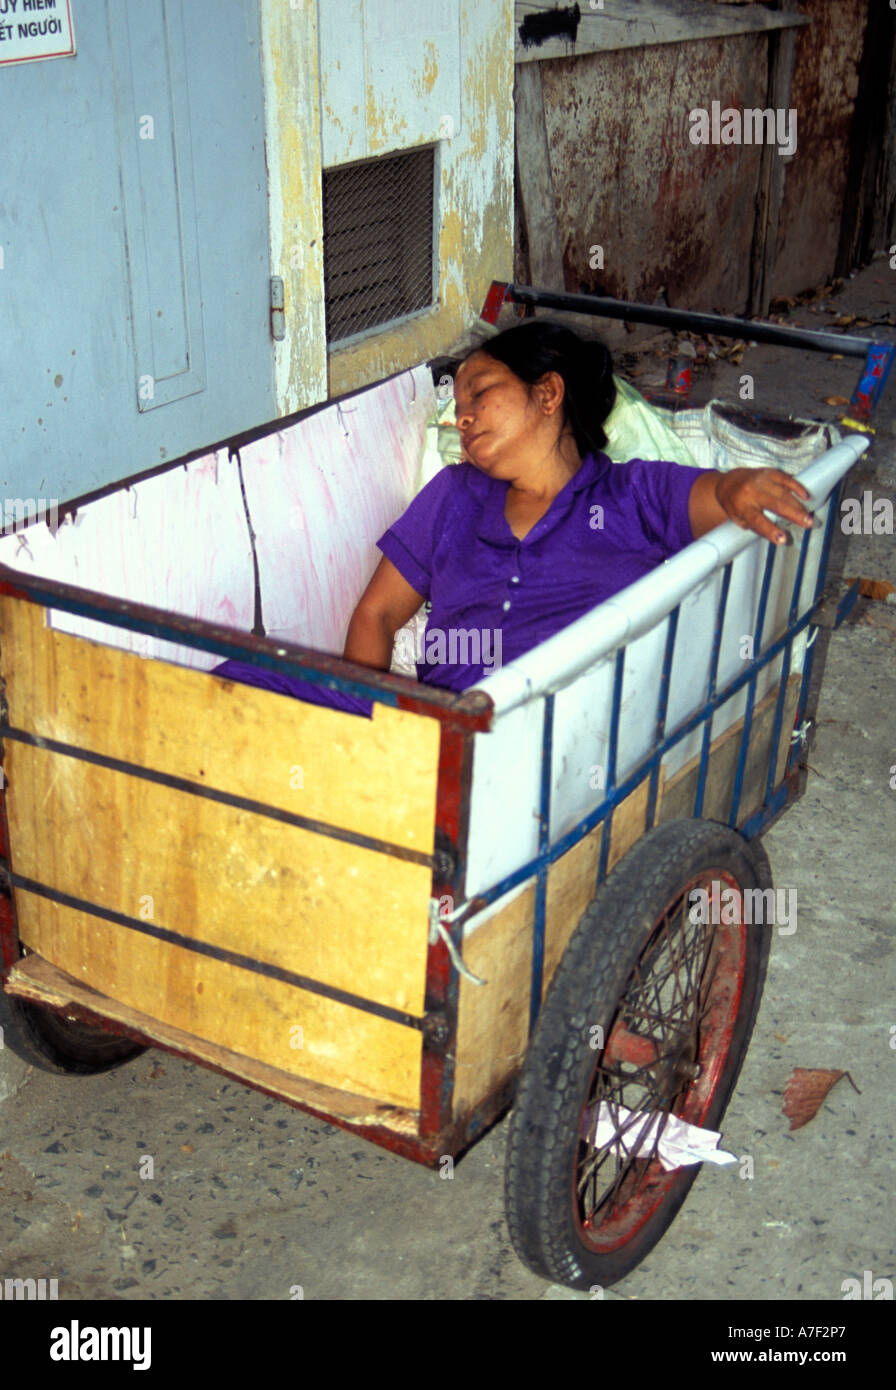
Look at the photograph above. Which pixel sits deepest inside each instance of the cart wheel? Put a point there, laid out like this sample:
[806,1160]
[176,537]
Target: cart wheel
[649,1010]
[56,1043]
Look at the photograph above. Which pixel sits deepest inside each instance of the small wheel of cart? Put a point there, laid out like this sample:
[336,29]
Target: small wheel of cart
[649,1015]
[57,1043]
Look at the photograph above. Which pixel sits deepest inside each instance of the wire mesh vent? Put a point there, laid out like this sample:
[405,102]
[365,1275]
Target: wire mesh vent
[378,240]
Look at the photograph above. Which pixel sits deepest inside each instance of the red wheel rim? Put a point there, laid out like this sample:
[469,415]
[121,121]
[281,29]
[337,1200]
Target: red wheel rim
[664,1054]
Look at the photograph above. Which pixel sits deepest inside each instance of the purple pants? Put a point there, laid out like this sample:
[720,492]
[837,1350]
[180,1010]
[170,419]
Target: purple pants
[294,686]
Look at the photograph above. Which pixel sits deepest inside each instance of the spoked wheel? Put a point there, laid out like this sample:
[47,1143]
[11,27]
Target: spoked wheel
[648,1017]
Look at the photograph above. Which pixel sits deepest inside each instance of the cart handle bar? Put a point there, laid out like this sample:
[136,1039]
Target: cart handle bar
[878,356]
[723,326]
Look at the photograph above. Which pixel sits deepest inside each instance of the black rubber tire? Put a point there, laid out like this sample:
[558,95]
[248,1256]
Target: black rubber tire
[605,965]
[52,1042]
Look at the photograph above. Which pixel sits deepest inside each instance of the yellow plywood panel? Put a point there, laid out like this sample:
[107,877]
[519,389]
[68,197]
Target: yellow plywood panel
[493,1019]
[289,57]
[630,821]
[40,982]
[376,777]
[571,883]
[345,915]
[274,1023]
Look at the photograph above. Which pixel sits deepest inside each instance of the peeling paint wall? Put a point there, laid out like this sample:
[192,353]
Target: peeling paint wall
[474,199]
[674,215]
[295,200]
[348,81]
[390,75]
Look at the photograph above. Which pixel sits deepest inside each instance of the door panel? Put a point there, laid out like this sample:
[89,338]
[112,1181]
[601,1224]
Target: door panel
[134,294]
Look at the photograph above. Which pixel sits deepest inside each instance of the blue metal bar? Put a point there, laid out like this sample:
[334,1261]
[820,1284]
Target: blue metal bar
[766,813]
[870,385]
[833,513]
[544,842]
[217,646]
[588,823]
[751,689]
[755,330]
[287,658]
[212,951]
[662,706]
[798,579]
[610,800]
[847,602]
[785,666]
[711,687]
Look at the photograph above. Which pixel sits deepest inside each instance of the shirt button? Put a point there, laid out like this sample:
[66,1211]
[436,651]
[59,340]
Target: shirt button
[506,604]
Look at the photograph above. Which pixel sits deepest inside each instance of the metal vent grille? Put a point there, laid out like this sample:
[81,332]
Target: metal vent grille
[378,240]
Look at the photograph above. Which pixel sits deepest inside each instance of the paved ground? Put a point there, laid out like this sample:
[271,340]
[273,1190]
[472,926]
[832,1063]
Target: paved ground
[250,1199]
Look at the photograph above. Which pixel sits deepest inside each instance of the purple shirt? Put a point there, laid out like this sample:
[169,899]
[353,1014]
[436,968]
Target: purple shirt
[494,596]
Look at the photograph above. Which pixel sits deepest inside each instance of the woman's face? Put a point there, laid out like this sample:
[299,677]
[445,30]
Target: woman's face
[503,425]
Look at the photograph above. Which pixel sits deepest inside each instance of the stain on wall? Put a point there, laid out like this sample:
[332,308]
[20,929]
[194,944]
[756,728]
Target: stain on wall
[824,89]
[667,213]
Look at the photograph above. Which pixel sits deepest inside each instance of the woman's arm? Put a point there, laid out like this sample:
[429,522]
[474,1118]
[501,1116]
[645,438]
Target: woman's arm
[741,495]
[386,604]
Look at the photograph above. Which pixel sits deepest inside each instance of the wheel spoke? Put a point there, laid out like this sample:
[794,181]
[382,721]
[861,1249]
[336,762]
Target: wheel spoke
[648,1064]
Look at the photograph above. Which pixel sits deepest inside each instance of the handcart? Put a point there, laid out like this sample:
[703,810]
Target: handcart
[406,924]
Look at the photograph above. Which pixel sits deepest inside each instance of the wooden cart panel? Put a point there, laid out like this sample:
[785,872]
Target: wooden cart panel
[258,882]
[494,1021]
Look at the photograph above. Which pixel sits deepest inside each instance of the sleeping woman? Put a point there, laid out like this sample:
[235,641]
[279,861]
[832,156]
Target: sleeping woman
[536,526]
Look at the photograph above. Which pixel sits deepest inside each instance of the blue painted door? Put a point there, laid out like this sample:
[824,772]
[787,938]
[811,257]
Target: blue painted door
[135,279]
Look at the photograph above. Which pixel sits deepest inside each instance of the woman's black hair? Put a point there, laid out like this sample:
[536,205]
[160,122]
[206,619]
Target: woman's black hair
[530,349]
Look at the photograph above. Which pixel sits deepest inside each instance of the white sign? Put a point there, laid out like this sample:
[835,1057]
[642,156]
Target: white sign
[32,29]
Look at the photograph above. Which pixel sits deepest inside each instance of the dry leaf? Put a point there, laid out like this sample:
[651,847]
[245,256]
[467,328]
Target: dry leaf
[77,1222]
[836,400]
[875,588]
[781,1037]
[806,1092]
[187,1148]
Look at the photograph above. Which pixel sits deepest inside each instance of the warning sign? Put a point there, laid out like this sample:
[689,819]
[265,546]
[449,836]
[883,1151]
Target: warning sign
[32,29]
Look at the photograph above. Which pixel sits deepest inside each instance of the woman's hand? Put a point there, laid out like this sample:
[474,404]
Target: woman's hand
[741,496]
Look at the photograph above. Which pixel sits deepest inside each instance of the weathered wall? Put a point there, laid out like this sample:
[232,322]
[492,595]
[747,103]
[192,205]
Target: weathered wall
[363,78]
[825,84]
[627,177]
[674,215]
